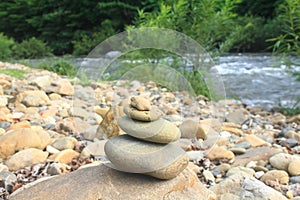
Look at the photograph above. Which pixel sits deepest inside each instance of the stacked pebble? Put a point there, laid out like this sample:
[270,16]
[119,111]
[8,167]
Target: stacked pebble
[147,147]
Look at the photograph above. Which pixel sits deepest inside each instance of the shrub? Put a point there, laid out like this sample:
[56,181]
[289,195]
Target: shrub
[60,67]
[5,47]
[32,48]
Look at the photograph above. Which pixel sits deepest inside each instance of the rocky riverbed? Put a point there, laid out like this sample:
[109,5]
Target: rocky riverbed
[51,143]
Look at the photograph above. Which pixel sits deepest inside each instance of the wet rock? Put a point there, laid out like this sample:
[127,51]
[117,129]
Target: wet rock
[23,138]
[273,177]
[24,158]
[185,186]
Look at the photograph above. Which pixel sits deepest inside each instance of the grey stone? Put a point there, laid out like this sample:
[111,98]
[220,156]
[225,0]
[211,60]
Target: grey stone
[245,145]
[236,116]
[159,131]
[295,179]
[246,187]
[132,155]
[101,182]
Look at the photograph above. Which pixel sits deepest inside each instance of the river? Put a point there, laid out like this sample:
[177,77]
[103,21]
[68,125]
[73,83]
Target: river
[256,79]
[259,79]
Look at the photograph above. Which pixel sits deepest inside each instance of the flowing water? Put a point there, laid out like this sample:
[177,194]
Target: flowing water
[256,79]
[259,79]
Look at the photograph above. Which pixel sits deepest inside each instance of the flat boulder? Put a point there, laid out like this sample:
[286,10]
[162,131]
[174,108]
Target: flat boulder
[102,182]
[23,138]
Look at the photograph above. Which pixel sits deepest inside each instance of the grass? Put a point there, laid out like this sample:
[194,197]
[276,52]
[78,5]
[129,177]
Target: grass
[17,73]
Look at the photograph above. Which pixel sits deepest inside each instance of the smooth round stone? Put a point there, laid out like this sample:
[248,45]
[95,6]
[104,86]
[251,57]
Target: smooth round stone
[159,131]
[238,150]
[129,154]
[153,114]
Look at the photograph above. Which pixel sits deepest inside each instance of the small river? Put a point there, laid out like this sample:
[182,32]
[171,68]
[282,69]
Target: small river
[259,79]
[256,79]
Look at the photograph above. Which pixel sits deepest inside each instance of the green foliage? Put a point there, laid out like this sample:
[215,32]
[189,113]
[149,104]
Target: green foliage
[212,23]
[32,48]
[88,41]
[5,47]
[17,73]
[60,67]
[60,23]
[288,42]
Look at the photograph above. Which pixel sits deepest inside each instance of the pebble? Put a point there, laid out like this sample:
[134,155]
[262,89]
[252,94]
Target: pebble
[281,161]
[24,158]
[152,115]
[259,174]
[234,170]
[7,179]
[64,143]
[188,129]
[223,168]
[3,168]
[238,150]
[57,168]
[272,177]
[66,156]
[140,103]
[295,179]
[195,155]
[219,153]
[4,125]
[16,140]
[255,141]
[208,176]
[244,145]
[51,149]
[294,168]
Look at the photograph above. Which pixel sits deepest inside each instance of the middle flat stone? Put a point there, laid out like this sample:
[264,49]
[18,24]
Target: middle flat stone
[159,131]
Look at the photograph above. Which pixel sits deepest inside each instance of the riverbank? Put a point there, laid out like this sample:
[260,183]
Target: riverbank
[50,126]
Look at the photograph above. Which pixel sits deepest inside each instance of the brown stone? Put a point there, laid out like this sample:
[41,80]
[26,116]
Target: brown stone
[22,124]
[66,156]
[254,140]
[140,103]
[255,154]
[217,152]
[23,138]
[101,182]
[273,177]
[108,127]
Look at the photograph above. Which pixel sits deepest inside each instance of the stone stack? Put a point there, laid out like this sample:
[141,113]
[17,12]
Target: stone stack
[148,146]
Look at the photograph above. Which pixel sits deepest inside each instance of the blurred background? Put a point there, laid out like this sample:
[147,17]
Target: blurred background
[254,43]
